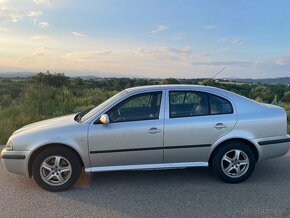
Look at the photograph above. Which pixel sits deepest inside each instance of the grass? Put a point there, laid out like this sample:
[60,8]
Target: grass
[24,102]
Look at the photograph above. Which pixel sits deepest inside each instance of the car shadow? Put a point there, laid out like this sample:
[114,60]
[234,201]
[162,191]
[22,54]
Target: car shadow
[139,192]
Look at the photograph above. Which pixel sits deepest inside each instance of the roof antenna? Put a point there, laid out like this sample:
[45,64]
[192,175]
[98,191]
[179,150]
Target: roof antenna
[221,70]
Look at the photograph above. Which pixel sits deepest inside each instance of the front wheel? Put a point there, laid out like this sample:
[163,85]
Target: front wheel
[56,169]
[234,162]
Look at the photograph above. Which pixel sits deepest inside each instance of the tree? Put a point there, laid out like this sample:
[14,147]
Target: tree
[6,100]
[5,80]
[54,80]
[78,82]
[275,101]
[263,93]
[287,96]
[169,81]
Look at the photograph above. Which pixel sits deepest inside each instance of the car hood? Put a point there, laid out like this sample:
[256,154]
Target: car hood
[47,124]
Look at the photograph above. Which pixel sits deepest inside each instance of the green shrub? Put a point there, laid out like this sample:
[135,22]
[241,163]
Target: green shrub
[50,95]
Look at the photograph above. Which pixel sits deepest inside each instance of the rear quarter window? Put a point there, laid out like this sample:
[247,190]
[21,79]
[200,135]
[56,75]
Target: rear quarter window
[219,105]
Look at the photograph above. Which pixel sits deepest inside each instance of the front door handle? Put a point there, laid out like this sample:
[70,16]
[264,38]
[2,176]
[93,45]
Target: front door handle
[154,130]
[220,126]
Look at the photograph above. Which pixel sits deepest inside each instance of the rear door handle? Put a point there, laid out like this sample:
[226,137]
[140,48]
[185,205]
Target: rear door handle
[154,130]
[219,126]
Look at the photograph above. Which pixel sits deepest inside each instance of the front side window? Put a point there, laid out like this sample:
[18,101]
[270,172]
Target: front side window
[138,107]
[95,110]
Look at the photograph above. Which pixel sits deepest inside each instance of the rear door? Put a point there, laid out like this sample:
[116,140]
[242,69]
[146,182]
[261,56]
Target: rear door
[193,122]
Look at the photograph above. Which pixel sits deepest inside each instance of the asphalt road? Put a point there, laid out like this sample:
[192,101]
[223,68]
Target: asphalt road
[169,193]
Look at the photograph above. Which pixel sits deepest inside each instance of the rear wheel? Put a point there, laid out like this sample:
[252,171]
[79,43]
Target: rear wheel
[234,162]
[56,169]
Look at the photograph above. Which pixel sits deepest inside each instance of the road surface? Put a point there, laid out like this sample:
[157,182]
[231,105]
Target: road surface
[169,193]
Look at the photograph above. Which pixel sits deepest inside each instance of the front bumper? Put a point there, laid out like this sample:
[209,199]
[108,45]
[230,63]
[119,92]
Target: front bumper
[273,147]
[15,161]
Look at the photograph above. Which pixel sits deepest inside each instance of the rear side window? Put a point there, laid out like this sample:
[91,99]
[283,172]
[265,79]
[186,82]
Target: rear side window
[187,104]
[219,105]
[191,103]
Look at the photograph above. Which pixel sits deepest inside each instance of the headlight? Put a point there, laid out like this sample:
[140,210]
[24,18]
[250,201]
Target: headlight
[9,146]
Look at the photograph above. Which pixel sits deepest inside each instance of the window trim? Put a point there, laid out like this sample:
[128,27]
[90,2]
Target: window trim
[208,99]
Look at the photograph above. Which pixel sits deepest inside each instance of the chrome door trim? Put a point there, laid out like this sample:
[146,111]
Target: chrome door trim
[146,166]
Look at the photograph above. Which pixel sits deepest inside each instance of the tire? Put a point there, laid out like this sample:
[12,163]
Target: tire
[234,162]
[56,169]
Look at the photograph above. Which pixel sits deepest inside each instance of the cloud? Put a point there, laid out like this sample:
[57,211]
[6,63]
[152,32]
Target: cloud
[38,37]
[224,39]
[34,14]
[237,40]
[186,57]
[232,40]
[42,2]
[3,29]
[210,27]
[9,14]
[43,24]
[165,51]
[223,49]
[160,28]
[182,56]
[14,15]
[40,51]
[226,63]
[79,34]
[82,56]
[178,37]
[200,55]
[282,61]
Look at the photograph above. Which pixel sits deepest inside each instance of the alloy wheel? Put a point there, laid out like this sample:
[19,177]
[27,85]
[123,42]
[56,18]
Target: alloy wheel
[55,170]
[235,163]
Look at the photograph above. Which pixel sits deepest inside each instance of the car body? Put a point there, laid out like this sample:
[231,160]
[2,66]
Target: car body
[162,126]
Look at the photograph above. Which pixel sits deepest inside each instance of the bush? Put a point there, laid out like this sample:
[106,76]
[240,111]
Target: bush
[39,102]
[49,95]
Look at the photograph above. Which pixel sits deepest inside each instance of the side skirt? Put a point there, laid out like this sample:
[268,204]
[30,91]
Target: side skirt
[146,166]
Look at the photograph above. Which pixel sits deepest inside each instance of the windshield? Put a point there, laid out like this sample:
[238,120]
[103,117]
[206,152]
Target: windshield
[95,110]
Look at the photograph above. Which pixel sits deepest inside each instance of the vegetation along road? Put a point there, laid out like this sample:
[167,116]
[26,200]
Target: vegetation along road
[46,95]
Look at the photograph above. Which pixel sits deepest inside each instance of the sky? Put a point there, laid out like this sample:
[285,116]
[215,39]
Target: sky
[146,38]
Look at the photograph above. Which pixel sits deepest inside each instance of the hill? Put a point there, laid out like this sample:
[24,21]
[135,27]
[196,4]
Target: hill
[273,81]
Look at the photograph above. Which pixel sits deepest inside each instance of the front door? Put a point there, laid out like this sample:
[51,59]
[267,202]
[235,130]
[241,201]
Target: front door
[133,136]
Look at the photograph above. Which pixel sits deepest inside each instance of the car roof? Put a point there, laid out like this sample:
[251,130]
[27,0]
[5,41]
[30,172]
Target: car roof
[177,87]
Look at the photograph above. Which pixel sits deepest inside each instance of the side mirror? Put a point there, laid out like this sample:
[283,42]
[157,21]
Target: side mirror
[104,119]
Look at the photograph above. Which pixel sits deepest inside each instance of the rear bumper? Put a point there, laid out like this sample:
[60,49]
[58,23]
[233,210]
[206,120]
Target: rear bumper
[273,147]
[15,161]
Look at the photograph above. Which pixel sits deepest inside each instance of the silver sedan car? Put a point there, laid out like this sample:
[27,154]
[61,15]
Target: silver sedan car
[151,127]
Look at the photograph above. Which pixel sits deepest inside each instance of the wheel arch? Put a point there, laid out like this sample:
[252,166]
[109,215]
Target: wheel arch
[245,141]
[43,147]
